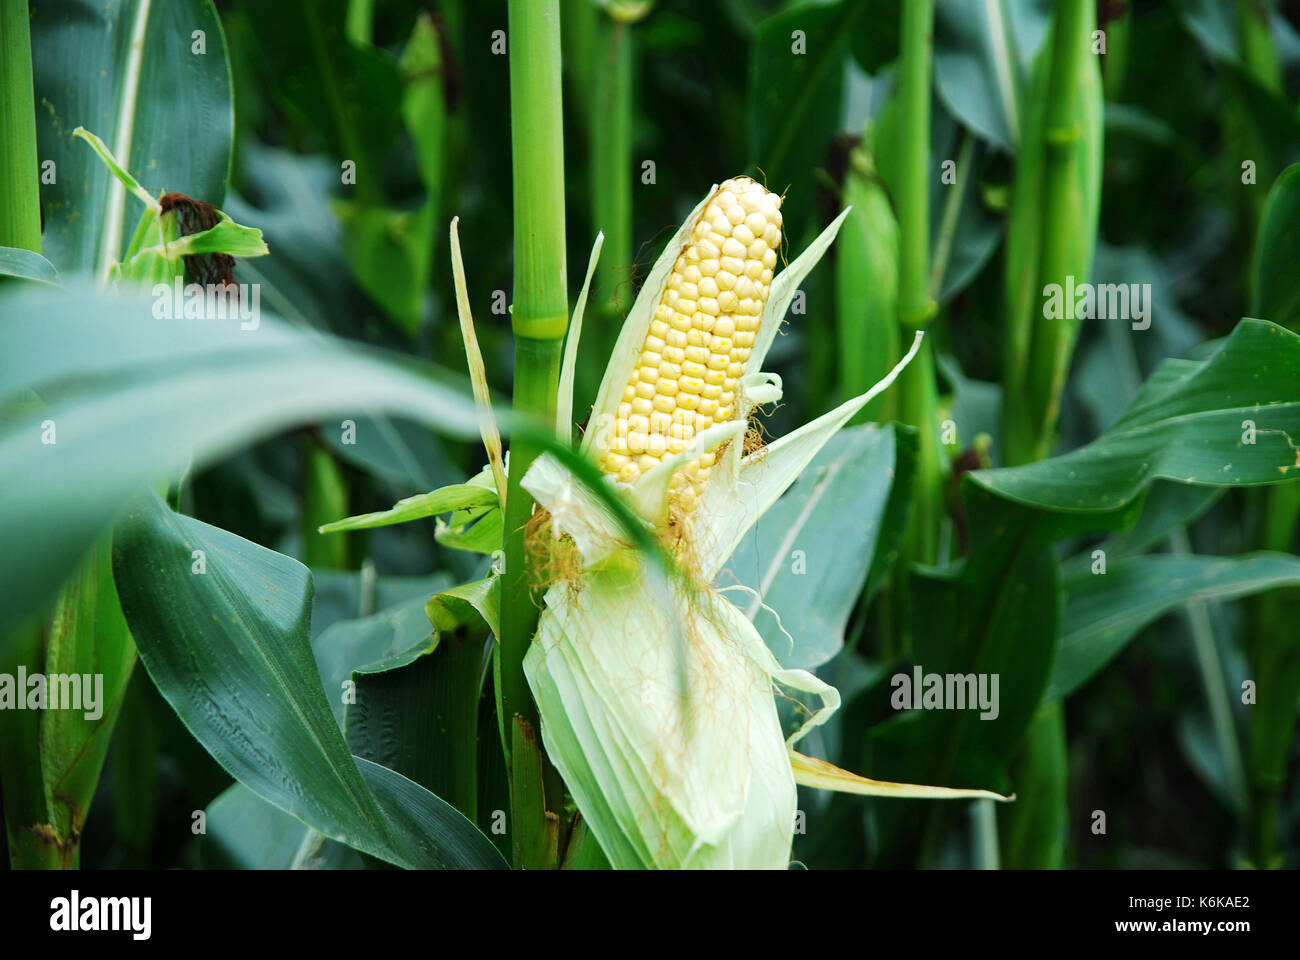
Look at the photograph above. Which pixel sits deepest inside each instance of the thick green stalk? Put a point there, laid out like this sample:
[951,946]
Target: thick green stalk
[1051,234]
[540,310]
[33,842]
[579,25]
[20,208]
[919,399]
[1053,341]
[360,23]
[913,188]
[918,396]
[1050,240]
[1274,658]
[611,169]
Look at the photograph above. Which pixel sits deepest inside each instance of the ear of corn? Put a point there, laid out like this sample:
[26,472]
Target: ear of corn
[656,694]
[687,375]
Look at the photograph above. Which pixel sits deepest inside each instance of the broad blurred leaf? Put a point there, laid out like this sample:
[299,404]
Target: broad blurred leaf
[1113,356]
[305,279]
[163,108]
[132,398]
[227,646]
[976,405]
[1214,25]
[346,595]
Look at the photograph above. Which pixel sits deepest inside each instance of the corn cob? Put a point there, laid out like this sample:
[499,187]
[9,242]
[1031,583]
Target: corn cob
[688,374]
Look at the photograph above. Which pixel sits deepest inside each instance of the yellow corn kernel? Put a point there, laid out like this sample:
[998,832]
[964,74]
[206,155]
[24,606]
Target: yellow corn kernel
[687,376]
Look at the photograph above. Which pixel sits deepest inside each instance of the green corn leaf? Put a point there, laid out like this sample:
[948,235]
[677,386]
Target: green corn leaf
[246,666]
[458,496]
[1167,507]
[1228,420]
[116,169]
[1105,611]
[226,237]
[476,530]
[808,556]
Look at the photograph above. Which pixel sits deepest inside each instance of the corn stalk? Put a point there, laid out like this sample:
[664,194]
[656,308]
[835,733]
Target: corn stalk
[1050,237]
[918,397]
[20,212]
[540,317]
[610,130]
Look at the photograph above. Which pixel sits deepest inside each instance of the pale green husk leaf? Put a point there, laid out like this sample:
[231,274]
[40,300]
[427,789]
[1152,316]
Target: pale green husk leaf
[666,774]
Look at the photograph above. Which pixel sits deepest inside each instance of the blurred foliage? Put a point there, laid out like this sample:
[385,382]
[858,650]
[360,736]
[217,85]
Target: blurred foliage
[422,110]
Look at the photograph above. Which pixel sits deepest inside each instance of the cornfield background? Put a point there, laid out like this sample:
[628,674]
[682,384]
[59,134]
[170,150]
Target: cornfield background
[1100,512]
